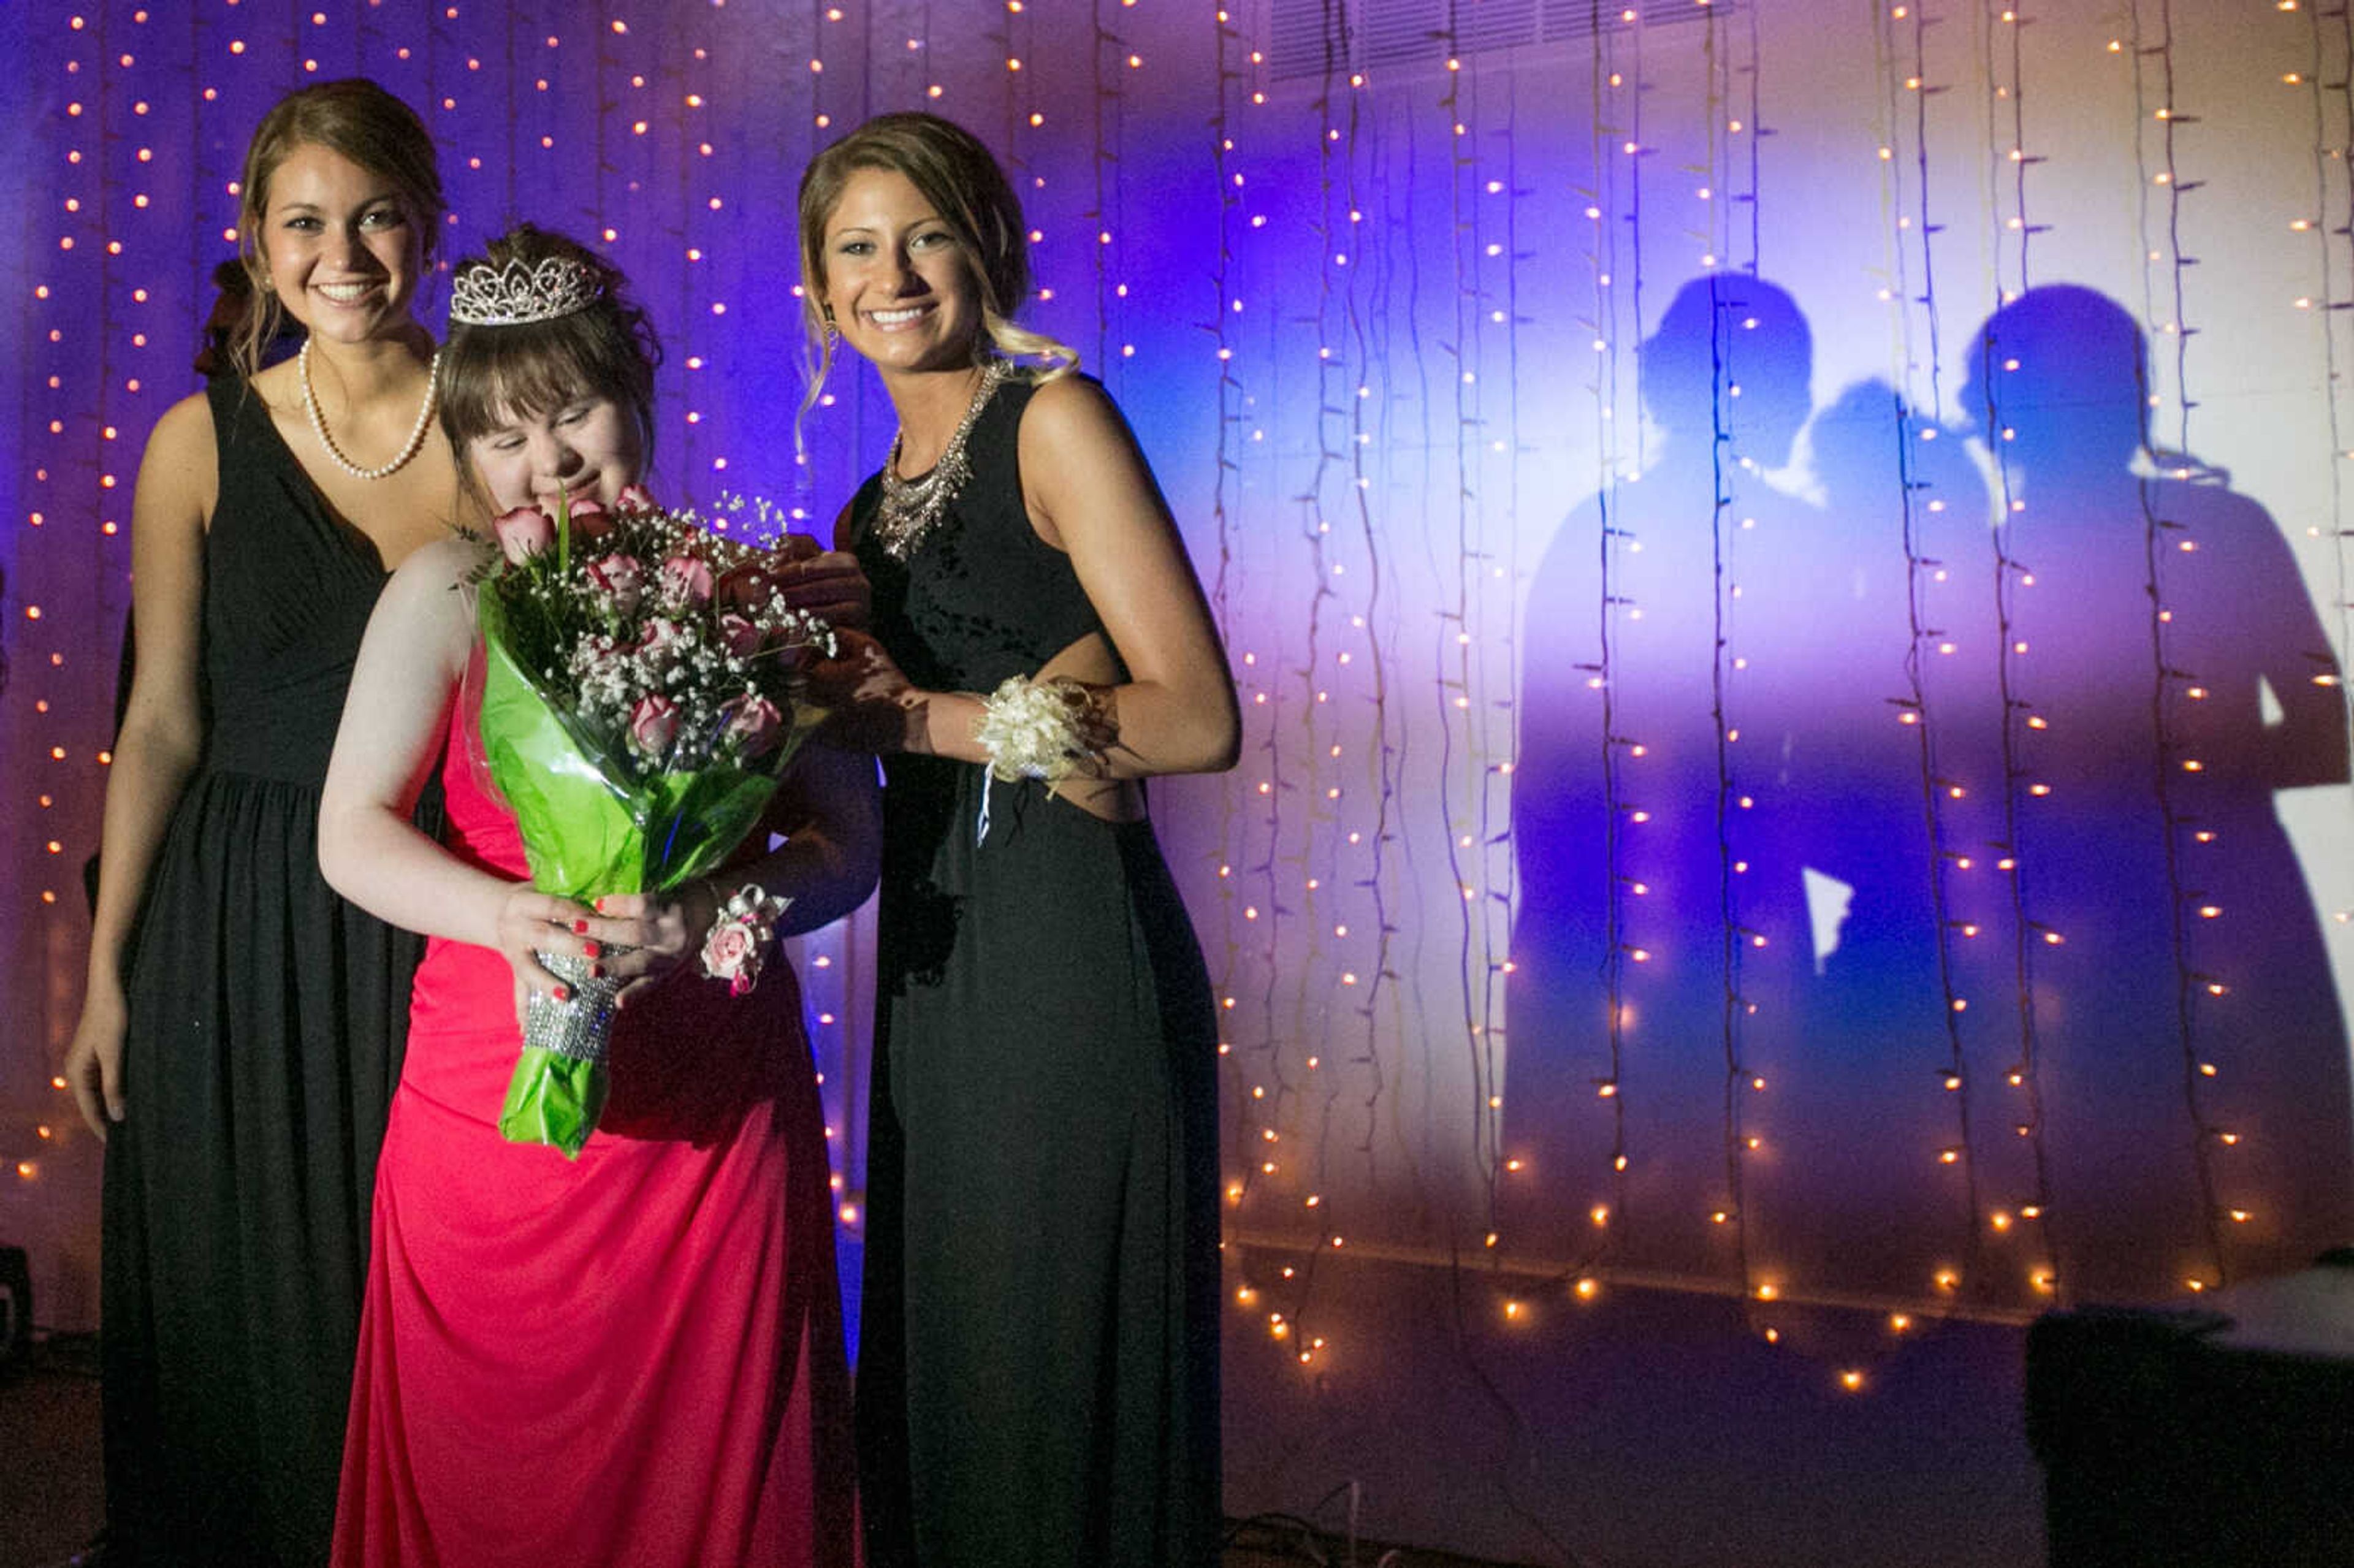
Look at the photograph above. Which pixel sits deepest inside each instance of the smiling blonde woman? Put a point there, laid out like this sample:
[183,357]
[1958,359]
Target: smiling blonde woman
[1038,1365]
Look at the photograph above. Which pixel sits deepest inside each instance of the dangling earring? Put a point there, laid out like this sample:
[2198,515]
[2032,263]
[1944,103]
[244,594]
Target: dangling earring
[833,333]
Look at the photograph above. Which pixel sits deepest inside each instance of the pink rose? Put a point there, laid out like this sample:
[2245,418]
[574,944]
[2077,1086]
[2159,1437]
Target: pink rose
[756,723]
[635,498]
[663,645]
[523,533]
[622,577]
[734,946]
[741,637]
[725,951]
[686,579]
[653,721]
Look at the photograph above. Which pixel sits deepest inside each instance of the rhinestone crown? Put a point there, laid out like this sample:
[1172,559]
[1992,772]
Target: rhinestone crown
[484,295]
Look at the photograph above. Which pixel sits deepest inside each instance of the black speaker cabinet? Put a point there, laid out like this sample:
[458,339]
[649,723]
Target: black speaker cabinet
[16,1308]
[2219,1434]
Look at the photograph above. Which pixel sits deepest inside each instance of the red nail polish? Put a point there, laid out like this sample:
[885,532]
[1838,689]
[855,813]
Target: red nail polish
[591,951]
[561,993]
[600,905]
[596,971]
[580,928]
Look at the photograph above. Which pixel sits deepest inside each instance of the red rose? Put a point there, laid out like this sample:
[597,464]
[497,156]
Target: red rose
[589,522]
[741,637]
[622,577]
[523,533]
[758,723]
[653,721]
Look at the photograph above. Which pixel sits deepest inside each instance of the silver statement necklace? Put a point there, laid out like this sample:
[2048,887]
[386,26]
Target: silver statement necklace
[335,454]
[912,508]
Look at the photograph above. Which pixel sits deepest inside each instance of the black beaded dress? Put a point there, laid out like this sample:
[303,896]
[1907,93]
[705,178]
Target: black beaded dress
[1038,1379]
[265,1027]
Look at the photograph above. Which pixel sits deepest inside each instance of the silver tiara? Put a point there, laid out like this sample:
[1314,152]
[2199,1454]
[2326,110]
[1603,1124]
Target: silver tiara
[484,295]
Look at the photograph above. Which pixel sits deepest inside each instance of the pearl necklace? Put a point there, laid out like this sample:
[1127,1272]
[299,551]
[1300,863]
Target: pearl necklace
[912,509]
[335,452]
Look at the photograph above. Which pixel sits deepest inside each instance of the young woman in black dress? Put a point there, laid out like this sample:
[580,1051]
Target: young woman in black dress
[241,1028]
[1038,1365]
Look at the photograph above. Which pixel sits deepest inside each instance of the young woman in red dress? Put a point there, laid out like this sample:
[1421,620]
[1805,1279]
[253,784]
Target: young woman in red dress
[634,1357]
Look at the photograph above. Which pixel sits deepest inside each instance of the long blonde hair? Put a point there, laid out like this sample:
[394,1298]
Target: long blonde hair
[360,121]
[951,169]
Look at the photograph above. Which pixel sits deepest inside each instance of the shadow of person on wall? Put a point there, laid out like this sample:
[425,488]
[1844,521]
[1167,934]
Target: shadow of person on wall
[1640,900]
[2167,677]
[1866,713]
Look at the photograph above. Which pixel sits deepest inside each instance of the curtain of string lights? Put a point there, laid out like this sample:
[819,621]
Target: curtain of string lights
[1660,855]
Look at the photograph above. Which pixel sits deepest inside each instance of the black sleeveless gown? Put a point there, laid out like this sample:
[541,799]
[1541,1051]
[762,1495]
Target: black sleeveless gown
[266,1019]
[1038,1379]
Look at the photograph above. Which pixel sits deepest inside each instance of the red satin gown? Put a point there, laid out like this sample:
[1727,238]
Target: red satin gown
[634,1358]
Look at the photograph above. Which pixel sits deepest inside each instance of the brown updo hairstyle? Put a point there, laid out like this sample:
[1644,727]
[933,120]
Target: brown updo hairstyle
[961,180]
[360,121]
[491,374]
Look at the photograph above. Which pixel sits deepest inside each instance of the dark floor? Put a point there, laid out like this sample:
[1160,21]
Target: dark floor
[50,1493]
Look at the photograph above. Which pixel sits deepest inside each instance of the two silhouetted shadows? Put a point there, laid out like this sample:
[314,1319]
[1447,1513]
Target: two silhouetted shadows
[1960,772]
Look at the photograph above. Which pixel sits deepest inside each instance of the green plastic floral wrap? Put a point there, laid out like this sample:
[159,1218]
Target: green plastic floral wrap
[596,819]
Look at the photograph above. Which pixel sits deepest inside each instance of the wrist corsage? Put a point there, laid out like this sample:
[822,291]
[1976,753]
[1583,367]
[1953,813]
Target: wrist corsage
[1043,729]
[741,932]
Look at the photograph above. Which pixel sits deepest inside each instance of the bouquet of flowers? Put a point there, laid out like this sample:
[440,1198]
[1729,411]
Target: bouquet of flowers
[639,700]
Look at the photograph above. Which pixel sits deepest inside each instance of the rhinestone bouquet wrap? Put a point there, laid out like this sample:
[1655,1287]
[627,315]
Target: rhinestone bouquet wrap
[637,697]
[578,1026]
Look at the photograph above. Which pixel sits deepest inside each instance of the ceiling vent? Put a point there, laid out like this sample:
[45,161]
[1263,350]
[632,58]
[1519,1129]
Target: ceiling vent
[1311,38]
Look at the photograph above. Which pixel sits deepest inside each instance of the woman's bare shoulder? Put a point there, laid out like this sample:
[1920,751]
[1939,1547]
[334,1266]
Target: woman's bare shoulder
[179,473]
[184,436]
[446,563]
[1069,408]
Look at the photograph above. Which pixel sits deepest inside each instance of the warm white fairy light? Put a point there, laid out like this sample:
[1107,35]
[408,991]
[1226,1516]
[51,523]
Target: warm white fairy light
[127,226]
[1329,766]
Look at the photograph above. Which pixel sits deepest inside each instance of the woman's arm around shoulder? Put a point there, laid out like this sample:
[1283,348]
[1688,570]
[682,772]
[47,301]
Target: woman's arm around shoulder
[829,809]
[1091,494]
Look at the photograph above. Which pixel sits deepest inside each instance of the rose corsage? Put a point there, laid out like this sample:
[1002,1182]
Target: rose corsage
[740,936]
